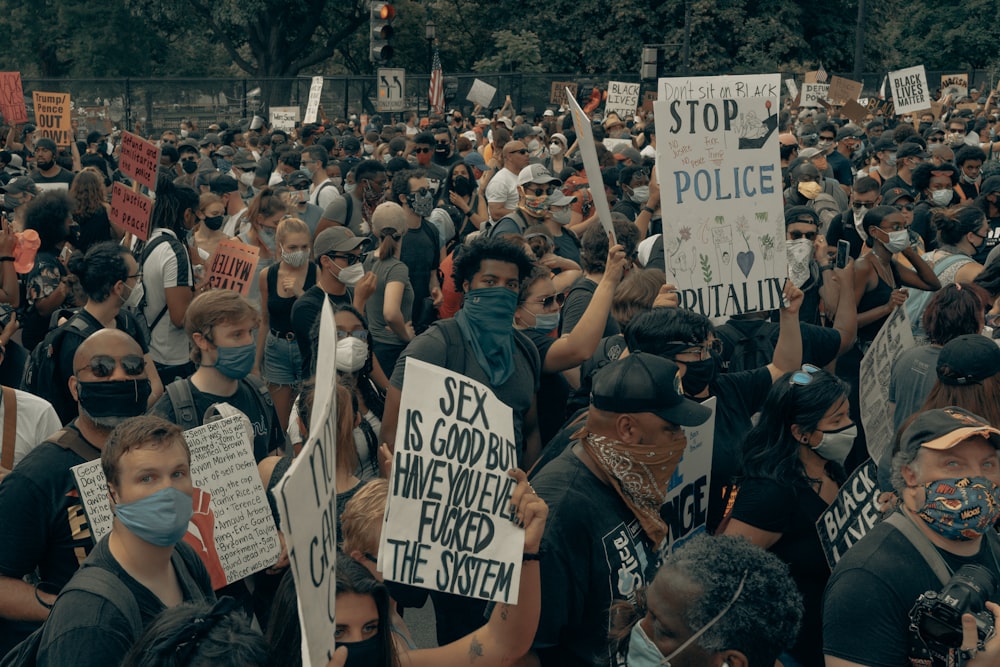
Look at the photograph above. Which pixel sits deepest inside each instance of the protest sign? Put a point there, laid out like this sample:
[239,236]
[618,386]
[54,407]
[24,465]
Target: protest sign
[52,116]
[557,93]
[956,85]
[623,99]
[232,528]
[733,86]
[811,77]
[139,159]
[588,151]
[130,210]
[851,515]
[648,98]
[284,118]
[793,89]
[813,94]
[481,93]
[909,90]
[12,98]
[876,367]
[307,503]
[854,111]
[842,89]
[315,91]
[615,145]
[685,507]
[448,524]
[719,172]
[233,266]
[883,108]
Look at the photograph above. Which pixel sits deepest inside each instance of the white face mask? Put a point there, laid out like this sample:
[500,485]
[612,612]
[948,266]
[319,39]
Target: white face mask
[246,178]
[561,216]
[337,181]
[135,296]
[941,197]
[555,148]
[533,145]
[859,216]
[352,353]
[349,188]
[351,274]
[898,241]
[640,194]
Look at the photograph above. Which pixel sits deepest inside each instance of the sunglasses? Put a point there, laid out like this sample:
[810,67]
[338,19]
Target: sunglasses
[905,207]
[422,150]
[547,302]
[538,192]
[802,235]
[422,192]
[804,376]
[350,259]
[522,151]
[103,365]
[360,334]
[858,205]
[935,140]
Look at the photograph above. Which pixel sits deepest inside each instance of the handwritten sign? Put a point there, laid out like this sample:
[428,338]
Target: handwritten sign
[793,90]
[52,116]
[481,93]
[812,94]
[879,107]
[307,503]
[130,210]
[140,159]
[315,91]
[233,266]
[557,93]
[956,85]
[588,151]
[232,527]
[851,515]
[909,90]
[876,367]
[623,99]
[284,118]
[842,89]
[454,446]
[719,171]
[686,506]
[12,98]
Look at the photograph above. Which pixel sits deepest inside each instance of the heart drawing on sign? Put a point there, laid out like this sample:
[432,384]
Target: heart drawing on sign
[745,261]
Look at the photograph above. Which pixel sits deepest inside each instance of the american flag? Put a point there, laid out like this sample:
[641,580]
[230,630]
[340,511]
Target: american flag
[436,92]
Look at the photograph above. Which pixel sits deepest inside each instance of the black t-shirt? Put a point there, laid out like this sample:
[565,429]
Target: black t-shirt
[842,227]
[897,182]
[306,311]
[553,389]
[841,168]
[279,308]
[567,246]
[421,252]
[61,176]
[94,228]
[819,344]
[576,304]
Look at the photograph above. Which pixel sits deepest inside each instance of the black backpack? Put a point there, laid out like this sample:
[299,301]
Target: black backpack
[187,417]
[40,376]
[742,352]
[145,327]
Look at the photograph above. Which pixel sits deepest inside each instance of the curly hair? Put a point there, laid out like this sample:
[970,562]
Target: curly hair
[922,174]
[88,193]
[48,214]
[481,249]
[100,269]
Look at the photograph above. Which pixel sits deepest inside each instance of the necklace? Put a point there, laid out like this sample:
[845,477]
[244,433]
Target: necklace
[884,271]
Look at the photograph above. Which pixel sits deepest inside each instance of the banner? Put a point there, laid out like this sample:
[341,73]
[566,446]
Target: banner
[557,92]
[448,526]
[686,506]
[623,99]
[956,85]
[233,266]
[312,108]
[876,367]
[53,117]
[812,93]
[481,93]
[12,98]
[852,514]
[719,172]
[909,90]
[588,151]
[841,90]
[232,528]
[307,503]
[284,118]
[130,210]
[140,160]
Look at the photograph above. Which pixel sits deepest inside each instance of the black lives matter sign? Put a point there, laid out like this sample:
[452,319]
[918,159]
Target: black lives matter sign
[909,90]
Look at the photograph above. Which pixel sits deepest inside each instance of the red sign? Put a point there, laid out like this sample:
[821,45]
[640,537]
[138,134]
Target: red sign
[132,211]
[12,98]
[139,159]
[233,266]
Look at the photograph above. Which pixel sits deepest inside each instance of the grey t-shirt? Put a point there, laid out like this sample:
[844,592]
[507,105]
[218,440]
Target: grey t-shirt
[387,271]
[337,211]
[913,375]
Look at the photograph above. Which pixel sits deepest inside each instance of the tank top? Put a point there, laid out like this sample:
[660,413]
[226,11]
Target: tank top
[279,308]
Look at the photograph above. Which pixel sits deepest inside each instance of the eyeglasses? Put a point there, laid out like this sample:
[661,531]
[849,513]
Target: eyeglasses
[350,259]
[804,376]
[905,207]
[538,192]
[522,151]
[802,235]
[360,334]
[425,149]
[935,140]
[137,276]
[858,205]
[547,302]
[703,351]
[103,365]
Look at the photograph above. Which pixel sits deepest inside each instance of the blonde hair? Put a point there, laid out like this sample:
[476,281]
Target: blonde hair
[291,226]
[206,200]
[361,522]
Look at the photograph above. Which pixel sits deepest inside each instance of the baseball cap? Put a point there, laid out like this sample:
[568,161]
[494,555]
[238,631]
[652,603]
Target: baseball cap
[336,239]
[523,130]
[560,198]
[787,139]
[16,164]
[804,214]
[19,185]
[548,112]
[298,176]
[508,123]
[474,159]
[809,153]
[894,195]
[943,428]
[226,151]
[968,359]
[644,382]
[910,149]
[991,184]
[222,184]
[628,153]
[210,138]
[850,131]
[244,159]
[46,144]
[885,145]
[536,173]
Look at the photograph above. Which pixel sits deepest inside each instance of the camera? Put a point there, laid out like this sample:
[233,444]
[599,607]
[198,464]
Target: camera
[937,616]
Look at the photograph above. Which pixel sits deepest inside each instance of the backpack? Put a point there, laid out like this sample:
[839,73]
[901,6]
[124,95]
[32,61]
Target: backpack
[146,327]
[40,376]
[826,208]
[187,417]
[457,348]
[746,352]
[514,217]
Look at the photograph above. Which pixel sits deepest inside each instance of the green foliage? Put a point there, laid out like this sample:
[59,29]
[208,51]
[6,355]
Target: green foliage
[706,268]
[513,52]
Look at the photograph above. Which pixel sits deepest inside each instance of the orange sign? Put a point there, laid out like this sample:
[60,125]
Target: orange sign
[233,266]
[132,211]
[139,159]
[52,116]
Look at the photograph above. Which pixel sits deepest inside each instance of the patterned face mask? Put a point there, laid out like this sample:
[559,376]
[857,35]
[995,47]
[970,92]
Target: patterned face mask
[960,509]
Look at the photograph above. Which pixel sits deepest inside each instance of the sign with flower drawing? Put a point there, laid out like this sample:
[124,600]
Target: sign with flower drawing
[719,169]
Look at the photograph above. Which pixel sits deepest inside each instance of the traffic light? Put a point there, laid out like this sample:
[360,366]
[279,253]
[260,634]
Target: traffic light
[382,15]
[652,62]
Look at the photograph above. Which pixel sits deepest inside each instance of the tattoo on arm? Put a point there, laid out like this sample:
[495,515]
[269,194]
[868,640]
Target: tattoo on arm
[475,649]
[504,611]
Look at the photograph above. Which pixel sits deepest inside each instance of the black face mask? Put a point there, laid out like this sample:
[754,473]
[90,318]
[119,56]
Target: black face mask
[698,376]
[189,166]
[114,398]
[364,653]
[462,186]
[214,222]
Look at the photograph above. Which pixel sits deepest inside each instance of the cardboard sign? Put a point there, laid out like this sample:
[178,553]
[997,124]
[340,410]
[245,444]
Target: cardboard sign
[307,503]
[842,89]
[686,506]
[854,111]
[851,515]
[588,151]
[232,528]
[623,99]
[140,160]
[52,116]
[812,94]
[233,266]
[615,145]
[909,90]
[884,108]
[956,85]
[448,524]
[12,98]
[793,89]
[876,367]
[811,77]
[557,92]
[130,210]
[647,100]
[284,118]
[481,93]
[719,171]
[315,91]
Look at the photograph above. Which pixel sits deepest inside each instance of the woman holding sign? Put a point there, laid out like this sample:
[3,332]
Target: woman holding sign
[793,468]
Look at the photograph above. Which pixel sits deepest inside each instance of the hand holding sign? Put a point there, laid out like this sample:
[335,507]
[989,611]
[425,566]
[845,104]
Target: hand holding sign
[530,511]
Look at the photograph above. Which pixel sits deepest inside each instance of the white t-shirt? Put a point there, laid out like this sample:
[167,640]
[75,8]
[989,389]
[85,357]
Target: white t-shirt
[323,194]
[236,224]
[502,189]
[36,420]
[163,269]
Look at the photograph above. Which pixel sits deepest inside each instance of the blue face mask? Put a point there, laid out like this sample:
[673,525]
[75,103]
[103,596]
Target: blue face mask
[487,322]
[160,519]
[546,322]
[236,362]
[223,165]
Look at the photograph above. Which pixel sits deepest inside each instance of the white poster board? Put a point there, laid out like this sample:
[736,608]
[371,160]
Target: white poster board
[623,99]
[956,85]
[686,506]
[481,93]
[793,89]
[315,91]
[284,118]
[876,366]
[588,151]
[909,90]
[454,445]
[812,93]
[719,170]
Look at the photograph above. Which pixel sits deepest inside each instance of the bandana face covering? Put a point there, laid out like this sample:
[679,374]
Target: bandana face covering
[486,320]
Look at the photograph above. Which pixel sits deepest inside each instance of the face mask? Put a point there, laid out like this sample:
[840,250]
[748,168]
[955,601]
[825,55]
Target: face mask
[898,241]
[363,654]
[969,180]
[546,322]
[189,166]
[555,148]
[236,362]
[352,353]
[352,274]
[349,188]
[114,398]
[890,160]
[462,186]
[134,297]
[246,178]
[799,252]
[337,181]
[698,376]
[823,145]
[960,509]
[536,205]
[979,243]
[858,150]
[561,216]
[941,197]
[859,215]
[307,170]
[160,519]
[369,149]
[421,204]
[214,222]
[640,194]
[809,189]
[224,165]
[296,258]
[533,145]
[266,237]
[184,134]
[836,445]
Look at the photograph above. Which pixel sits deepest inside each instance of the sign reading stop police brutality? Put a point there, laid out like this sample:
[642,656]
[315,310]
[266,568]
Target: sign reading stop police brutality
[719,170]
[909,90]
[448,526]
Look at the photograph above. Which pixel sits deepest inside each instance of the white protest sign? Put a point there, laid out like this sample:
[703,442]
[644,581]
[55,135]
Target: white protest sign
[615,145]
[232,528]
[851,515]
[876,366]
[686,507]
[812,93]
[307,503]
[623,99]
[588,151]
[481,93]
[956,85]
[909,90]
[315,91]
[719,171]
[793,89]
[284,118]
[448,526]
[733,86]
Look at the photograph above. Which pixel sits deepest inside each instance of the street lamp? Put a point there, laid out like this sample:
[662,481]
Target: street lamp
[430,32]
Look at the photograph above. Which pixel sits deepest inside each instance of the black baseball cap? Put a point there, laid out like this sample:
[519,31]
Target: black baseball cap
[911,149]
[893,195]
[968,359]
[801,214]
[644,382]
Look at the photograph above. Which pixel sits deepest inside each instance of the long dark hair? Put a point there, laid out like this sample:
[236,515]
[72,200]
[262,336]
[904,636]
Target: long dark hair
[352,577]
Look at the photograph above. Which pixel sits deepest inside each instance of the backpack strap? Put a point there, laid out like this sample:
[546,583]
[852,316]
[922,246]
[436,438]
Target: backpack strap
[264,400]
[71,439]
[98,581]
[9,402]
[182,399]
[934,560]
[454,345]
[146,252]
